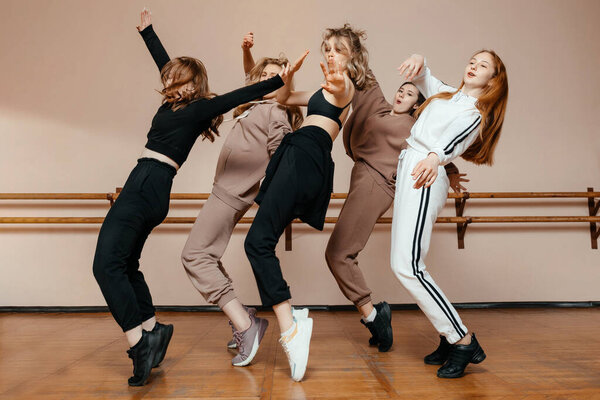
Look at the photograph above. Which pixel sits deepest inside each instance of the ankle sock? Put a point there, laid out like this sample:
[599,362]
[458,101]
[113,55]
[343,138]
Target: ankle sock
[371,316]
[289,331]
[138,344]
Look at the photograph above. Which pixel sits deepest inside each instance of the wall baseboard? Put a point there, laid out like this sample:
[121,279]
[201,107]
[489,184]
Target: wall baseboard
[506,305]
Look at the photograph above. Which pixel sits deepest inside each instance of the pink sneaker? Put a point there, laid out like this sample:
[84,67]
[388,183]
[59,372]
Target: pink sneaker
[249,340]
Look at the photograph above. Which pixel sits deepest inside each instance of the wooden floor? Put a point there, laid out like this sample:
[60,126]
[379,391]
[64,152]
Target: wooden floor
[532,354]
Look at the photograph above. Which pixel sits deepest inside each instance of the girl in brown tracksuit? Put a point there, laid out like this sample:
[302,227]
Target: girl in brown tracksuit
[259,128]
[374,135]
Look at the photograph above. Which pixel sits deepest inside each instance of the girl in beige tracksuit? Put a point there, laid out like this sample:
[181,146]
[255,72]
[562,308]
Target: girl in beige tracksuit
[259,128]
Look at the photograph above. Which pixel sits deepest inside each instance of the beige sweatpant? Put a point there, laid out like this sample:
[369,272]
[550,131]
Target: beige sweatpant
[201,256]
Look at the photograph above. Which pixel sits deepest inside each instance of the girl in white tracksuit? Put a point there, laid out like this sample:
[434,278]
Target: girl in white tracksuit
[452,122]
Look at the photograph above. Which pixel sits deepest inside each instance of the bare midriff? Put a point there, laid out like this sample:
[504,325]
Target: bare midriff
[329,125]
[147,153]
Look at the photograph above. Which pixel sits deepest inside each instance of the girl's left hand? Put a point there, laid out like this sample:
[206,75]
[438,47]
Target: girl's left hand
[456,182]
[146,20]
[426,171]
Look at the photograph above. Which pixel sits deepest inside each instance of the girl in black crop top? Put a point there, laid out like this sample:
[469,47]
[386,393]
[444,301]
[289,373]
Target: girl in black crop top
[189,110]
[299,180]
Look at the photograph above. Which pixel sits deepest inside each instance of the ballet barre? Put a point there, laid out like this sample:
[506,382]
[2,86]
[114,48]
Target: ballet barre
[460,201]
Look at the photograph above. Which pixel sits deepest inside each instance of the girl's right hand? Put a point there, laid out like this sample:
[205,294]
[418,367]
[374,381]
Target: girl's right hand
[248,41]
[412,66]
[146,17]
[335,79]
[285,74]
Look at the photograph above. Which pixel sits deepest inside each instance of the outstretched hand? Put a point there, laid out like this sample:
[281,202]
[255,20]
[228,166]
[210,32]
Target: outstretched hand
[248,41]
[456,182]
[335,79]
[412,66]
[288,71]
[146,17]
[298,63]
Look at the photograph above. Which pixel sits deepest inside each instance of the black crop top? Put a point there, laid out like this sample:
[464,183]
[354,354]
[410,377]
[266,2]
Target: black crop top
[173,133]
[318,105]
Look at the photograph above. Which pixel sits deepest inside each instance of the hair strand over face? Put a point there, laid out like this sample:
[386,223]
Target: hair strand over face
[187,82]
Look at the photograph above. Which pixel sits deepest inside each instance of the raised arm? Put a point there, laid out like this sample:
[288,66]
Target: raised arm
[368,101]
[416,70]
[248,60]
[158,52]
[221,104]
[286,95]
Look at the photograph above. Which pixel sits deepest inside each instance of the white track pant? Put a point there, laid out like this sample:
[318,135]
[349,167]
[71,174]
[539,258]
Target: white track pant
[415,212]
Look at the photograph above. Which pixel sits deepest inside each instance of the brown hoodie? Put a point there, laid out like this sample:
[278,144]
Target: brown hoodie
[376,137]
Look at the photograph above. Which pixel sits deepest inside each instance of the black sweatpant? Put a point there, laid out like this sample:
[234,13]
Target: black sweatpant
[142,205]
[297,186]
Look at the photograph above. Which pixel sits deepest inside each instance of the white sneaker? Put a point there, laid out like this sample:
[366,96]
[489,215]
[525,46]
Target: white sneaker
[299,313]
[296,347]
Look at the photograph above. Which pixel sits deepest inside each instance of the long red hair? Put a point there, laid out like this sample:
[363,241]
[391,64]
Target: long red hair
[492,106]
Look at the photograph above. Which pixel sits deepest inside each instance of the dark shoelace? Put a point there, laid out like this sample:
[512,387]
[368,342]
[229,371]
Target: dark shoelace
[237,336]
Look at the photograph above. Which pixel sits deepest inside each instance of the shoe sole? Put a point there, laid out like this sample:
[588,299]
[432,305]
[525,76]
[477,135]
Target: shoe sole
[264,324]
[435,362]
[162,355]
[386,312]
[300,373]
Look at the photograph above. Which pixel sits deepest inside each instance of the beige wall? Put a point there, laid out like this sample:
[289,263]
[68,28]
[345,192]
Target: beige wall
[78,95]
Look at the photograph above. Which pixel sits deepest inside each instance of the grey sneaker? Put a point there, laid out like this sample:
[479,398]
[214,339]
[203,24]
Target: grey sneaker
[232,344]
[248,341]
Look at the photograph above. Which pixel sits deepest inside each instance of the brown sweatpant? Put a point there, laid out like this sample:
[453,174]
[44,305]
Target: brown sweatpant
[366,202]
[201,256]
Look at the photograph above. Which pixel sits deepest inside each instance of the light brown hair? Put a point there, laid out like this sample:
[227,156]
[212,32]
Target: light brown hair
[294,114]
[492,106]
[358,66]
[188,72]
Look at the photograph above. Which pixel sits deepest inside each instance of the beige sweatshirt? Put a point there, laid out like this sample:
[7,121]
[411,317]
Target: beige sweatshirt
[246,153]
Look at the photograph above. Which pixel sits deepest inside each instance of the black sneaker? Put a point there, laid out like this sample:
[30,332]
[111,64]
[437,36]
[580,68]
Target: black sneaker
[440,355]
[381,327]
[143,355]
[165,332]
[460,356]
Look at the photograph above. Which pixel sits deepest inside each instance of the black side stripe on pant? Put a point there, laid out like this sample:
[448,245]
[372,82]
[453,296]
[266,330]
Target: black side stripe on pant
[416,255]
[461,136]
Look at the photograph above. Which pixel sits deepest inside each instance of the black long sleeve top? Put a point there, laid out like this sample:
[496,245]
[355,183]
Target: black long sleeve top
[174,132]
